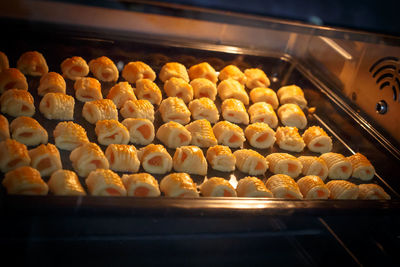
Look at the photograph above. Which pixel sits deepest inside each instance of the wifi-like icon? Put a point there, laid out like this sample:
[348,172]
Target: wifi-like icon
[386,71]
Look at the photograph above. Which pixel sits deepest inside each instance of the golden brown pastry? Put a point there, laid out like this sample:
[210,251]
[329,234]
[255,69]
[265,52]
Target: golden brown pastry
[57,106]
[155,159]
[69,135]
[111,132]
[229,134]
[4,64]
[46,159]
[122,158]
[362,167]
[232,72]
[97,110]
[174,109]
[103,182]
[283,186]
[202,133]
[250,161]
[288,138]
[148,90]
[137,70]
[173,135]
[256,78]
[138,109]
[4,128]
[312,187]
[141,131]
[204,108]
[87,89]
[178,185]
[28,131]
[32,63]
[120,93]
[262,94]
[12,79]
[141,185]
[203,87]
[180,88]
[104,69]
[51,82]
[317,140]
[221,158]
[292,115]
[252,187]
[74,68]
[190,159]
[25,181]
[339,167]
[88,157]
[263,112]
[292,94]
[232,89]
[233,110]
[173,69]
[283,163]
[16,102]
[260,135]
[372,191]
[217,187]
[314,166]
[13,154]
[203,70]
[65,183]
[342,190]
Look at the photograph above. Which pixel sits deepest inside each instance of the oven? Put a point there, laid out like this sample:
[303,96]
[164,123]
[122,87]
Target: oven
[350,80]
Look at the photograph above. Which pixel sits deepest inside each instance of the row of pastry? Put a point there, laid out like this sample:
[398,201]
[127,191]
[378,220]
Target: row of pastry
[87,156]
[101,182]
[103,68]
[58,105]
[173,74]
[140,130]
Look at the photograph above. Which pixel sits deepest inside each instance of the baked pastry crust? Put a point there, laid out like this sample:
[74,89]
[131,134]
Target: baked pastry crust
[17,102]
[141,131]
[103,182]
[74,68]
[173,69]
[217,187]
[51,82]
[13,154]
[65,183]
[250,161]
[178,185]
[24,181]
[141,185]
[136,70]
[173,134]
[122,158]
[28,131]
[148,90]
[32,63]
[69,135]
[46,159]
[57,106]
[104,69]
[283,186]
[12,79]
[252,187]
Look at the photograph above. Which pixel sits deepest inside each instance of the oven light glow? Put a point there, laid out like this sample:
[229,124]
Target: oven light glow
[337,47]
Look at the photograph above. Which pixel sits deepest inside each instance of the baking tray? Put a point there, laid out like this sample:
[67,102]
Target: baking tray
[57,43]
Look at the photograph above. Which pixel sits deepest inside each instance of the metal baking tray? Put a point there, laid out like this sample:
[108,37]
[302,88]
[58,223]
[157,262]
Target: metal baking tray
[332,113]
